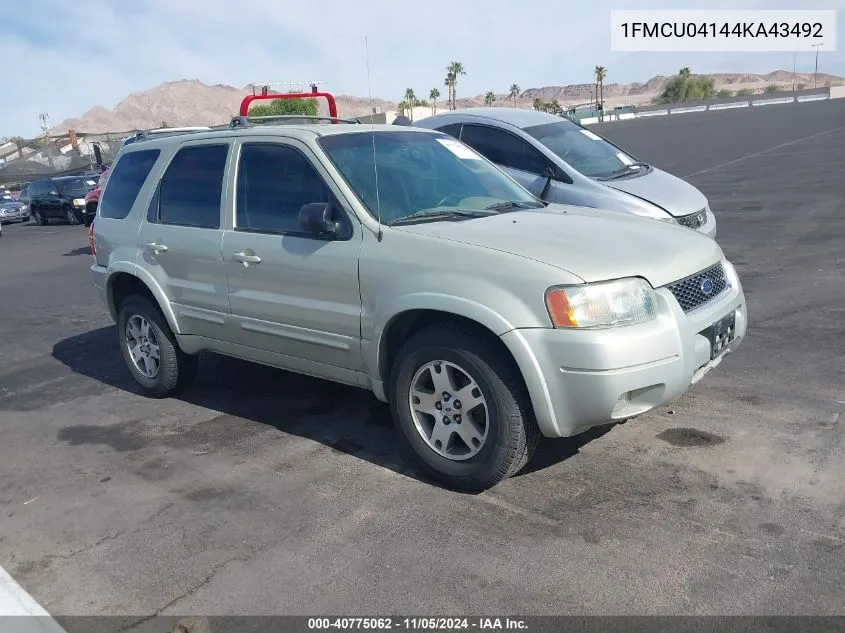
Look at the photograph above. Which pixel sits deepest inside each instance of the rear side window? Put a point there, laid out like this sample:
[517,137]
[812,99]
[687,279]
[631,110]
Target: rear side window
[503,148]
[274,182]
[39,188]
[190,190]
[127,178]
[453,129]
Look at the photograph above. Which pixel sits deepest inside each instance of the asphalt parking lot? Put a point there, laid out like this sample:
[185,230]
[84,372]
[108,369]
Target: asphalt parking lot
[262,492]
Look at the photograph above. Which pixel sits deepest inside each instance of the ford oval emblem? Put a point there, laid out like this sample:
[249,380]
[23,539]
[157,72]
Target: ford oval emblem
[706,285]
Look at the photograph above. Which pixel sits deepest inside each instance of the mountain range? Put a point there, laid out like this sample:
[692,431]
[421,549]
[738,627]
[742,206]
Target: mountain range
[191,102]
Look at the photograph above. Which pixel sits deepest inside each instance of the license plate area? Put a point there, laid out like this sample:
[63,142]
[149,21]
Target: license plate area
[720,335]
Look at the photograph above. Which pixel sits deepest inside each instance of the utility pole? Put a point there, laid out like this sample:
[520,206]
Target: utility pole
[816,71]
[45,125]
[794,58]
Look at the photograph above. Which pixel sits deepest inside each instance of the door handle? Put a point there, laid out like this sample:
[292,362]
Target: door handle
[245,259]
[156,248]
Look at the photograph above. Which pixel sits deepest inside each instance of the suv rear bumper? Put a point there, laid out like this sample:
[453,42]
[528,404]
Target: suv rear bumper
[581,379]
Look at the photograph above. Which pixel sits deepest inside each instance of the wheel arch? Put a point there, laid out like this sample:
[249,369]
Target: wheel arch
[128,279]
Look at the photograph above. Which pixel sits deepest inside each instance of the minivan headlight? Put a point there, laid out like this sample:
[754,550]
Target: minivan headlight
[601,305]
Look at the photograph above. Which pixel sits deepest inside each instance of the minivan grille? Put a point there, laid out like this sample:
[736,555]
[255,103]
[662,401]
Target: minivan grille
[696,290]
[693,220]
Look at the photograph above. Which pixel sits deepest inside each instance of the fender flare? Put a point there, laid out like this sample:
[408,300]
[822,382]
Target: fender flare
[155,289]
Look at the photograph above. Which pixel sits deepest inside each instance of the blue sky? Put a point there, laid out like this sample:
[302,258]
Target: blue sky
[67,57]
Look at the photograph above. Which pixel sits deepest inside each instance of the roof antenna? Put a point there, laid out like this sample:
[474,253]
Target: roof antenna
[379,235]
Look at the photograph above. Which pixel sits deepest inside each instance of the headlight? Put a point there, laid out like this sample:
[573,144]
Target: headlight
[599,305]
[79,202]
[653,212]
[25,208]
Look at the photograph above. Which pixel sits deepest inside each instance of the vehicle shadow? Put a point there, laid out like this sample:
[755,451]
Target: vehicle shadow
[345,419]
[82,250]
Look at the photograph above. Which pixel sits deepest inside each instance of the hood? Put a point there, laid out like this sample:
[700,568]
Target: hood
[11,204]
[591,244]
[677,196]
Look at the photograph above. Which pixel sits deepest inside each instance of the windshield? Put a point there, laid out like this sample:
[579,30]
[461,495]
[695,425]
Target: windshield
[76,186]
[582,149]
[420,172]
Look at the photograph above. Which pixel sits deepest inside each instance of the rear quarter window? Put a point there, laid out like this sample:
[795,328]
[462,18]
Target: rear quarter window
[125,181]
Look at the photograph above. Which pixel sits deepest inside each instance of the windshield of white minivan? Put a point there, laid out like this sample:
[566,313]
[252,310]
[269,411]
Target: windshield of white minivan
[582,149]
[431,176]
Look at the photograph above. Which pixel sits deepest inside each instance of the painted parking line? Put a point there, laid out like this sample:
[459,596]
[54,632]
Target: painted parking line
[19,612]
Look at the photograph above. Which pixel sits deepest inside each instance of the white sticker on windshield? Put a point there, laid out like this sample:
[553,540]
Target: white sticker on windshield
[624,158]
[458,149]
[591,135]
[91,182]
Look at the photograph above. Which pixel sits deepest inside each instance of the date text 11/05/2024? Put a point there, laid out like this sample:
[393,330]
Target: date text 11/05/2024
[416,624]
[712,29]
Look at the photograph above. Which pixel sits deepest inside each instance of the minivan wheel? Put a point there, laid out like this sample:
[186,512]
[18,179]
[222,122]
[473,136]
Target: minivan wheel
[461,408]
[150,349]
[71,216]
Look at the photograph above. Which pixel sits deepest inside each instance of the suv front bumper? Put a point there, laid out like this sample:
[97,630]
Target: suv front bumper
[578,379]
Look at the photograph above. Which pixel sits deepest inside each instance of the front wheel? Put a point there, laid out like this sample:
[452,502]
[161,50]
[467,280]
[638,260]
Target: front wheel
[71,216]
[461,408]
[151,351]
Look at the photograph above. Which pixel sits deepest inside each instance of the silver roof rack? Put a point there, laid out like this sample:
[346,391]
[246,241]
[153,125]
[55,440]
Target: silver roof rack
[281,119]
[164,131]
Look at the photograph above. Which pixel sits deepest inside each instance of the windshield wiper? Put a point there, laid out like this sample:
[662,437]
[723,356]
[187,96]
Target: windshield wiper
[516,204]
[439,214]
[627,169]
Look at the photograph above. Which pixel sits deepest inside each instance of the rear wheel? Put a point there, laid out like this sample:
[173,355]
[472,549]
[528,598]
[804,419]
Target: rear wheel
[461,408]
[39,219]
[150,350]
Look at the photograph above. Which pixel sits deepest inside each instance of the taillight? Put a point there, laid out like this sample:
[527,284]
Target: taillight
[91,239]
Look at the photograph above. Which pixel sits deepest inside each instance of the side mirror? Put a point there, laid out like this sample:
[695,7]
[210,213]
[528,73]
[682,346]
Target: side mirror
[317,218]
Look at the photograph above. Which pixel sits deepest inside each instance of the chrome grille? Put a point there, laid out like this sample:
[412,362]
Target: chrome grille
[693,220]
[691,292]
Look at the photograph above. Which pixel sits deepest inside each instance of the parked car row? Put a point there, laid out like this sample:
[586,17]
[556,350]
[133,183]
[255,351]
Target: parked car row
[404,261]
[65,198]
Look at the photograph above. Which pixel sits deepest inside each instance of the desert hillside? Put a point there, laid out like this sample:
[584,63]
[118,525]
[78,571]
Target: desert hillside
[192,102]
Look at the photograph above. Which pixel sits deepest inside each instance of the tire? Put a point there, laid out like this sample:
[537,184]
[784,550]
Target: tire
[39,219]
[70,216]
[511,432]
[176,369]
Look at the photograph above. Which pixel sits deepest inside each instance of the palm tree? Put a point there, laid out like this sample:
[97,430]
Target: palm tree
[514,93]
[538,103]
[453,70]
[601,73]
[685,72]
[411,100]
[489,98]
[433,95]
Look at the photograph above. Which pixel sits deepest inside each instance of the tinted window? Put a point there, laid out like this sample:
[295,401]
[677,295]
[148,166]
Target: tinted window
[128,177]
[40,188]
[190,190]
[452,130]
[274,182]
[74,187]
[503,148]
[584,150]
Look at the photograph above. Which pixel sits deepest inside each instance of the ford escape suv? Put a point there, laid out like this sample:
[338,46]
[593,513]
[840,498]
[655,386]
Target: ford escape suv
[401,261]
